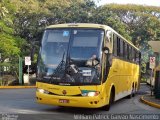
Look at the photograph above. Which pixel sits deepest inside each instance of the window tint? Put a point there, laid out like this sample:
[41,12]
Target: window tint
[130,54]
[115,45]
[124,50]
[109,36]
[109,40]
[121,48]
[118,46]
[86,38]
[127,51]
[134,55]
[83,41]
[57,36]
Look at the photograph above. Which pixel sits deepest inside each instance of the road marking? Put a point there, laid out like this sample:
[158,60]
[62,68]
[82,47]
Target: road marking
[25,111]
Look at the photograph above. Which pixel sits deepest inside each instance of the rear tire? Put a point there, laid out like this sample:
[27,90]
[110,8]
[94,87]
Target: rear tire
[135,90]
[132,93]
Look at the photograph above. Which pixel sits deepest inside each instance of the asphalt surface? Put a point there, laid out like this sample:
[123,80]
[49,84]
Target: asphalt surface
[20,104]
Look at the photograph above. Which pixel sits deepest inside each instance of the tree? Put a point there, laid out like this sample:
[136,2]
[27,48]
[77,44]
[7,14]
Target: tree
[33,16]
[142,21]
[103,16]
[8,46]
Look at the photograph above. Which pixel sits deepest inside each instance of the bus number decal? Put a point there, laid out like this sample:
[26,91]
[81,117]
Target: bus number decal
[86,72]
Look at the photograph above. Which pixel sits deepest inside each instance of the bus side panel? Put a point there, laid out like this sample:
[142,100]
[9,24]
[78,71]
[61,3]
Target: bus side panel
[122,75]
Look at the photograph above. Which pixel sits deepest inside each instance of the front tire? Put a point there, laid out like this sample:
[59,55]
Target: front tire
[111,101]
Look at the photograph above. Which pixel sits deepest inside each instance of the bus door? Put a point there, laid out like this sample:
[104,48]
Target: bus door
[106,56]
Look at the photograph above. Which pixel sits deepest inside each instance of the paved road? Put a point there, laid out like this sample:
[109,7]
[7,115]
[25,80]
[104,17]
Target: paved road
[21,104]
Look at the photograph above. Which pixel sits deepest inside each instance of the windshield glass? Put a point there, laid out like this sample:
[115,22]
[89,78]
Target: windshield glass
[53,50]
[64,53]
[85,44]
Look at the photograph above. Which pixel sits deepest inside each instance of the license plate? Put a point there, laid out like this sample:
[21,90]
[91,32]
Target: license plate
[63,101]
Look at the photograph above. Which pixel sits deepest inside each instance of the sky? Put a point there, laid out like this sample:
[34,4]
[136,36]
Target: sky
[138,2]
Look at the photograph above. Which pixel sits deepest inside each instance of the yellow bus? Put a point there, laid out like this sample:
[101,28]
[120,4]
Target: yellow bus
[86,65]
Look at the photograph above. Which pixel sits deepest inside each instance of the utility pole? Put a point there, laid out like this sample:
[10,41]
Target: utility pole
[20,71]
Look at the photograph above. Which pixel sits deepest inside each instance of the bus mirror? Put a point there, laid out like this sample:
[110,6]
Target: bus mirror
[105,50]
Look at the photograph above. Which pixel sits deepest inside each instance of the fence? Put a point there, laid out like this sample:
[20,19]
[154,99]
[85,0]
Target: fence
[8,74]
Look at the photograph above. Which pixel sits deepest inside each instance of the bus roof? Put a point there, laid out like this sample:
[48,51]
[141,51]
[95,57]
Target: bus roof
[89,25]
[80,25]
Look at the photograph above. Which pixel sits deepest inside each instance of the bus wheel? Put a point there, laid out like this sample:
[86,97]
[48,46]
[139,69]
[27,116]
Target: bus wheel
[135,89]
[132,93]
[111,101]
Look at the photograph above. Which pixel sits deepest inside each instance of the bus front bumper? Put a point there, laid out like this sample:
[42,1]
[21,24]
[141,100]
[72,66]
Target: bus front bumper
[72,101]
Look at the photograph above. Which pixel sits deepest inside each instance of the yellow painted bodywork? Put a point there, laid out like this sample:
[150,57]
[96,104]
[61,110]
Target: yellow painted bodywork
[72,95]
[122,75]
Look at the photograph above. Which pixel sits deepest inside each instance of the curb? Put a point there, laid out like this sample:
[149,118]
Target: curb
[150,103]
[16,87]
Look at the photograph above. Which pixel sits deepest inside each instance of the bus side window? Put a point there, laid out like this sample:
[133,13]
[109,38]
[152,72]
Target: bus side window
[118,46]
[121,48]
[133,55]
[115,45]
[137,57]
[129,55]
[126,51]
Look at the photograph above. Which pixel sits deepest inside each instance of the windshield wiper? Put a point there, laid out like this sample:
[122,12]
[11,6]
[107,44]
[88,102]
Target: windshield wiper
[57,72]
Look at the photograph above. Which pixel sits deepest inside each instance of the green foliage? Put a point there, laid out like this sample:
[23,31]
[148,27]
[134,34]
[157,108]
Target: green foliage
[7,43]
[102,15]
[142,21]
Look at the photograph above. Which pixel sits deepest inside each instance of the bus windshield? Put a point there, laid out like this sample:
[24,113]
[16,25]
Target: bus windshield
[66,50]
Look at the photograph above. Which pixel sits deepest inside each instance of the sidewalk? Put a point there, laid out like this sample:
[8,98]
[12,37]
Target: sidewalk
[31,83]
[150,100]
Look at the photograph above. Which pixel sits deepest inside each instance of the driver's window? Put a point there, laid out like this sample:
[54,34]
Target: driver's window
[109,36]
[108,41]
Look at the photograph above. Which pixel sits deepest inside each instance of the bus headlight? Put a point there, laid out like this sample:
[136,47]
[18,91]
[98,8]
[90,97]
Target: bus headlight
[42,91]
[90,94]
